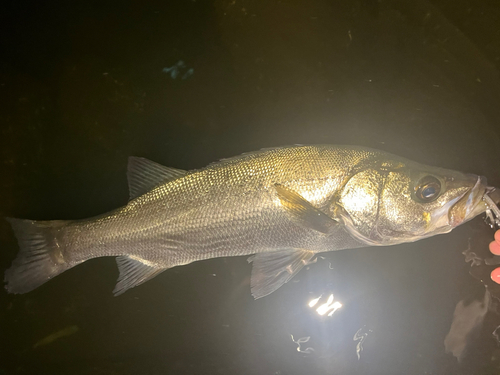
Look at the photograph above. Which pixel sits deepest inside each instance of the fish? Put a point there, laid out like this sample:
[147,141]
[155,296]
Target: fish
[68,331]
[281,205]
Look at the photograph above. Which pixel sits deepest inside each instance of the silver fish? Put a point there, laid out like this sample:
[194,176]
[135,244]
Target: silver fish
[284,205]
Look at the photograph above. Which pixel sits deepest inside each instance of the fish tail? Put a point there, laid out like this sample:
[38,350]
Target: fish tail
[40,257]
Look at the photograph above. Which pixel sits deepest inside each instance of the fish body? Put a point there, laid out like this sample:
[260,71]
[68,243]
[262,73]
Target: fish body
[284,205]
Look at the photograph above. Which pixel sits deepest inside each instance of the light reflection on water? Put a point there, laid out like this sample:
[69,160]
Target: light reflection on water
[329,305]
[301,341]
[360,336]
[326,308]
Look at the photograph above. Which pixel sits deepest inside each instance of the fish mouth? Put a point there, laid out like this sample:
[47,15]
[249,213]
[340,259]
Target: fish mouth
[469,204]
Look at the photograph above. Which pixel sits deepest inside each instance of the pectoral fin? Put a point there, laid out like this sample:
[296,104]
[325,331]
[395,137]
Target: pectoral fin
[272,270]
[133,272]
[304,212]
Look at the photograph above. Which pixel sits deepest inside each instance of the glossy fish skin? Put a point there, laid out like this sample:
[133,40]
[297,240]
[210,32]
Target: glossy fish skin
[284,205]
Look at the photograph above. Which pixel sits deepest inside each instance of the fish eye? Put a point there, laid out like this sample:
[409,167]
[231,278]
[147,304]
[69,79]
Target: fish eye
[427,189]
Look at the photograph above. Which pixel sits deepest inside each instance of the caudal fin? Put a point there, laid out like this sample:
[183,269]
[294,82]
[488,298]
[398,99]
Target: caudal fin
[40,257]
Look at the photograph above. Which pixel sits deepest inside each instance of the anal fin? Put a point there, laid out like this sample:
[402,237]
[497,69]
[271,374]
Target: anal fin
[272,270]
[134,271]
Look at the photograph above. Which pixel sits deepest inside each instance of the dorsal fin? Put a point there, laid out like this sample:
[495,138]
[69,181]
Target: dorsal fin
[143,175]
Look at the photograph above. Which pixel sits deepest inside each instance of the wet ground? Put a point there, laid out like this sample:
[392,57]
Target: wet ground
[85,84]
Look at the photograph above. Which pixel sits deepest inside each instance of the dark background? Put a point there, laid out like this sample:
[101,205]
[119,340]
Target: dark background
[82,87]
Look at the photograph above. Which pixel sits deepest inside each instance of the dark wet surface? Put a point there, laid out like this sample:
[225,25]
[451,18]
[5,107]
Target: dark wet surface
[83,86]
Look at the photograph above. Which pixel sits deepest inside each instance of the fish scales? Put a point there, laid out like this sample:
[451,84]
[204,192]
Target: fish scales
[226,209]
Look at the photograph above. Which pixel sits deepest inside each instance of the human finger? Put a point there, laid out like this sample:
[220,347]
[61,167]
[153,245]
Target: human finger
[495,275]
[495,248]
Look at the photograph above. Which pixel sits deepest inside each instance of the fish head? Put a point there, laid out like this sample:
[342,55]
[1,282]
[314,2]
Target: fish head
[402,201]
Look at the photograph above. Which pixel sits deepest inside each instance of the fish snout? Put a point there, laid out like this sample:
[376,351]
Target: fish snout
[470,204]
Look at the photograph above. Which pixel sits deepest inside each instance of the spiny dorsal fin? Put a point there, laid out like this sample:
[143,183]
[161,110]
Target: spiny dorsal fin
[272,270]
[143,175]
[304,212]
[133,272]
